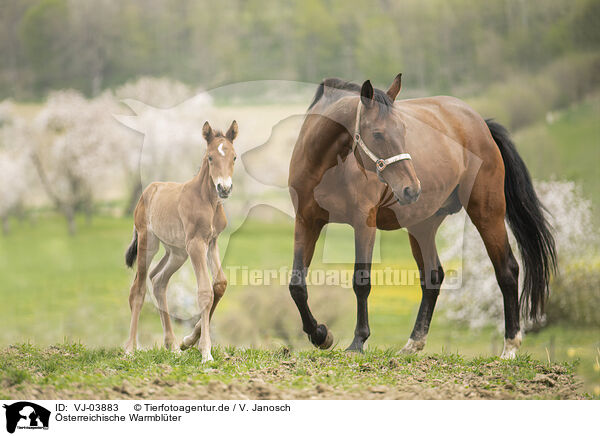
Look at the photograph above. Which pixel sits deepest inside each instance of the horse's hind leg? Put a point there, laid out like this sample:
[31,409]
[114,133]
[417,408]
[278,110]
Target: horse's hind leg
[364,239]
[489,221]
[147,248]
[422,244]
[305,238]
[174,259]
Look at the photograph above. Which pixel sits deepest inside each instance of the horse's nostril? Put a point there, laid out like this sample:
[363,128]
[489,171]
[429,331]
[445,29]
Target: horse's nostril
[410,193]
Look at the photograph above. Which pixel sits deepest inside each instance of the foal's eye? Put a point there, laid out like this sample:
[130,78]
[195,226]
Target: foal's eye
[209,159]
[377,135]
[234,158]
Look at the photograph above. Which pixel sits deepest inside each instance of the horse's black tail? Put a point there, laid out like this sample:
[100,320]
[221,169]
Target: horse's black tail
[131,252]
[525,215]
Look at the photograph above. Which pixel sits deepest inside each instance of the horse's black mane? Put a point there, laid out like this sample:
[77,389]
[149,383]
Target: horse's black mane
[385,103]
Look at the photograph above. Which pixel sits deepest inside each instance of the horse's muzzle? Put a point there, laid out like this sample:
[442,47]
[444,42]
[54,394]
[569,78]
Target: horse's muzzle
[223,191]
[409,195]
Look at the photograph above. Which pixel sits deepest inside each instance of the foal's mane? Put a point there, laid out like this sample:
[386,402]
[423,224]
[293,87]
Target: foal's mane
[333,83]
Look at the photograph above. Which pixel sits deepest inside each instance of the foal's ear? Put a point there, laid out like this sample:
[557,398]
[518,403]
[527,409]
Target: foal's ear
[395,87]
[232,132]
[366,93]
[207,132]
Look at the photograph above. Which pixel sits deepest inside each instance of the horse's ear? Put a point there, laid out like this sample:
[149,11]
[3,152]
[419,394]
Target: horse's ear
[395,87]
[366,93]
[207,132]
[233,131]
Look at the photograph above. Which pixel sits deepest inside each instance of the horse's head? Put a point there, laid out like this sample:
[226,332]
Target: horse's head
[221,156]
[383,135]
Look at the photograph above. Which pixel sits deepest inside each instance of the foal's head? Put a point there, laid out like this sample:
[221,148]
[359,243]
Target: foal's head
[383,132]
[220,155]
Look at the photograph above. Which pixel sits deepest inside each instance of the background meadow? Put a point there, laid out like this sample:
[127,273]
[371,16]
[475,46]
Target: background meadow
[70,172]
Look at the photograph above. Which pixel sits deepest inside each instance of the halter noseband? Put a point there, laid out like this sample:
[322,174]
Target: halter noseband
[380,164]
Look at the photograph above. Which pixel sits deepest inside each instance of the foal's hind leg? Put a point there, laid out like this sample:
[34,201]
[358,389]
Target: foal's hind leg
[175,258]
[147,248]
[364,239]
[422,244]
[305,238]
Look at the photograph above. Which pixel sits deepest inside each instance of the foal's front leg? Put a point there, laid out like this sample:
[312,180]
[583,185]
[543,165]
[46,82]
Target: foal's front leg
[197,250]
[219,279]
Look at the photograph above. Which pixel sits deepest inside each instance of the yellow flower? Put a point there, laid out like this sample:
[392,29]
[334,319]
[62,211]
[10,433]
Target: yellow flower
[571,352]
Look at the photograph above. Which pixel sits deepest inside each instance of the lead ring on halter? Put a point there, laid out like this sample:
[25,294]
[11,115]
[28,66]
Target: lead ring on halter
[380,164]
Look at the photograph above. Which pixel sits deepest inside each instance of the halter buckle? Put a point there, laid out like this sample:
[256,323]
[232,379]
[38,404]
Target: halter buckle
[380,164]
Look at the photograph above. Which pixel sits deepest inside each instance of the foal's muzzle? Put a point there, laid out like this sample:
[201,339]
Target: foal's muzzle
[224,191]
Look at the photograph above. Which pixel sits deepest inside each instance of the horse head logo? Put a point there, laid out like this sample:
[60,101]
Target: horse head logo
[26,415]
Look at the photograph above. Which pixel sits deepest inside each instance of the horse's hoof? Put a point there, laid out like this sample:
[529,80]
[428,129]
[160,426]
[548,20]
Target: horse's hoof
[354,349]
[328,342]
[183,347]
[412,347]
[322,338]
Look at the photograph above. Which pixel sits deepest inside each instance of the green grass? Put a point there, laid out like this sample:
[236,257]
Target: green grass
[75,371]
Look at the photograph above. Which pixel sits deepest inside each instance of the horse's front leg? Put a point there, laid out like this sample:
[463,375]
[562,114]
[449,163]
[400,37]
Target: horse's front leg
[305,238]
[422,243]
[197,250]
[364,239]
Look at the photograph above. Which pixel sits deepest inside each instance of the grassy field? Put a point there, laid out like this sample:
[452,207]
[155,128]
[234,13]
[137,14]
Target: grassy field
[74,371]
[56,288]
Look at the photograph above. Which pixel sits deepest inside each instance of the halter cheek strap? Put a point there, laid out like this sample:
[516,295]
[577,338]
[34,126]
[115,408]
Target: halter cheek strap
[380,164]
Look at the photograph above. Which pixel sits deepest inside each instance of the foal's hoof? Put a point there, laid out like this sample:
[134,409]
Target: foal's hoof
[322,338]
[183,347]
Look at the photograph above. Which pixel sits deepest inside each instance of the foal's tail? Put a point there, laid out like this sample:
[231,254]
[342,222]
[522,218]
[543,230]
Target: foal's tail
[131,252]
[525,215]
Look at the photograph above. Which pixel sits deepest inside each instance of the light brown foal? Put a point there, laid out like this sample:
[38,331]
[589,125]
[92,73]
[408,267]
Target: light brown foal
[187,218]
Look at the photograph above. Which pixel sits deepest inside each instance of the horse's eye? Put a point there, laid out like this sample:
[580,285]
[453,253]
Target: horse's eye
[377,135]
[209,159]
[234,158]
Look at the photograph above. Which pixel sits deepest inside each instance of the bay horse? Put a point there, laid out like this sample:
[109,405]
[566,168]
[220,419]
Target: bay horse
[364,159]
[187,218]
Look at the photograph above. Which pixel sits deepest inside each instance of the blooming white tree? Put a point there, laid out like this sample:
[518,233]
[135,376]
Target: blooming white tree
[77,148]
[15,166]
[478,301]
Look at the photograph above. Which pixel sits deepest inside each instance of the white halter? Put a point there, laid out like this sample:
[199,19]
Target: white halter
[381,164]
